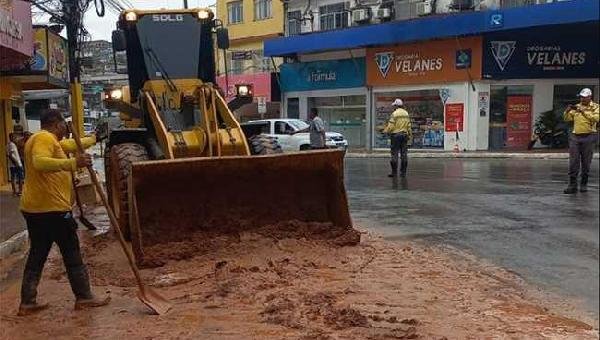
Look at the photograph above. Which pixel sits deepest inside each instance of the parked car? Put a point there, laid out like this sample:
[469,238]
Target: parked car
[283,128]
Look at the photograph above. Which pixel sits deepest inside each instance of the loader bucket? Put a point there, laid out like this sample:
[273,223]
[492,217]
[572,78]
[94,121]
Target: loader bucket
[174,199]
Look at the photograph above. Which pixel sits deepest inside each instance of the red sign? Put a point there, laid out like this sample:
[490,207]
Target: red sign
[454,117]
[518,121]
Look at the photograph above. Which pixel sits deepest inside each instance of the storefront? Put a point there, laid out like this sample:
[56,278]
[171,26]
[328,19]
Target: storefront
[535,73]
[438,82]
[336,88]
[15,50]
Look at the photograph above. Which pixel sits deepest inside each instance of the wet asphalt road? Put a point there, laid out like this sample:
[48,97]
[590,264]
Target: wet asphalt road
[509,212]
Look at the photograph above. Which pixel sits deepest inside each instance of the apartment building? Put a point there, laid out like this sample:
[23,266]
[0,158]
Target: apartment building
[250,23]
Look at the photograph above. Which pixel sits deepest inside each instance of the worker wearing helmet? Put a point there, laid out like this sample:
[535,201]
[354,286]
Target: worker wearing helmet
[399,129]
[582,141]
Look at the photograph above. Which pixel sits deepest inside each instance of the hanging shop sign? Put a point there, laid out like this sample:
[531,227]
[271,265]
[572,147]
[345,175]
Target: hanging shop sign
[518,121]
[565,52]
[326,74]
[454,117]
[50,56]
[15,32]
[425,62]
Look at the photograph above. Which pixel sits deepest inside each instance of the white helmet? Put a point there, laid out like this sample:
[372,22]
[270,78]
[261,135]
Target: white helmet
[398,102]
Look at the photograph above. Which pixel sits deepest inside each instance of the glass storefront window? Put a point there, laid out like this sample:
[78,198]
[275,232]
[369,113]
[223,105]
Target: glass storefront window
[345,115]
[426,111]
[510,116]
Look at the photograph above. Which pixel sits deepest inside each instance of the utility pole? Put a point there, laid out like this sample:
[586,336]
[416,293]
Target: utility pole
[73,18]
[185,3]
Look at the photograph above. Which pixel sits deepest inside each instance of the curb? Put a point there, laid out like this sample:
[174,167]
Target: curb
[13,244]
[469,155]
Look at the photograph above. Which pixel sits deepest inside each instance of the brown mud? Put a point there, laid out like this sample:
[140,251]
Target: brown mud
[279,284]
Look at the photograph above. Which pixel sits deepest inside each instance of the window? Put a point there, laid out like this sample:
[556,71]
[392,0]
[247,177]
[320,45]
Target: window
[294,22]
[236,66]
[333,16]
[235,12]
[283,128]
[262,9]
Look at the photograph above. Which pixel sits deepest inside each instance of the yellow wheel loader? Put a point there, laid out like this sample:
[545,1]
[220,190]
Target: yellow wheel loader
[181,164]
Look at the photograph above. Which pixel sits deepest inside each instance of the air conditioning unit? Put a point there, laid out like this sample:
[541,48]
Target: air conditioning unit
[424,8]
[384,13]
[361,15]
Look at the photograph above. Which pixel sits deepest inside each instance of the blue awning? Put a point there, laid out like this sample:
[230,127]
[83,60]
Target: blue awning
[436,27]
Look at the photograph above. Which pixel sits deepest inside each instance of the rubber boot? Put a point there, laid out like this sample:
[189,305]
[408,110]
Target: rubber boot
[572,188]
[583,183]
[403,167]
[29,286]
[394,167]
[80,284]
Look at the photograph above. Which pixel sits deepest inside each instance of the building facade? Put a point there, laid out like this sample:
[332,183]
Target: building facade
[474,79]
[16,50]
[250,23]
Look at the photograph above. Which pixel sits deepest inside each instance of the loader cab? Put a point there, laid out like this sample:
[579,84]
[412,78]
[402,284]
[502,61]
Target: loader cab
[169,45]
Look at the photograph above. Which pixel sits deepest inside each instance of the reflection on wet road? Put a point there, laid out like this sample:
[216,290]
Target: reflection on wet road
[509,212]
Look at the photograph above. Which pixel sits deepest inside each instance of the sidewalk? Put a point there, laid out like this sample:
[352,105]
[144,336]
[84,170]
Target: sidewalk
[535,154]
[11,220]
[12,224]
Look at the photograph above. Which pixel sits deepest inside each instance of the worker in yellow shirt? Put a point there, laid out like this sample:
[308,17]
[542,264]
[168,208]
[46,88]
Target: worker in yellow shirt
[46,205]
[585,117]
[399,129]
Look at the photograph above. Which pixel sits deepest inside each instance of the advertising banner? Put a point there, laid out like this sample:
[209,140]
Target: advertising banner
[39,60]
[58,65]
[321,75]
[454,117]
[565,52]
[518,121]
[425,62]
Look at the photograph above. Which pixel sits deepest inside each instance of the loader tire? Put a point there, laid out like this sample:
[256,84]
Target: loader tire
[119,165]
[264,145]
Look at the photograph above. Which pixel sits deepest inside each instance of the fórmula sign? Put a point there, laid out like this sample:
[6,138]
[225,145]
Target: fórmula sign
[564,52]
[322,75]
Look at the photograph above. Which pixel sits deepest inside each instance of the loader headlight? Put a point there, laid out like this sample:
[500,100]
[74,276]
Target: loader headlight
[116,94]
[130,16]
[204,14]
[243,90]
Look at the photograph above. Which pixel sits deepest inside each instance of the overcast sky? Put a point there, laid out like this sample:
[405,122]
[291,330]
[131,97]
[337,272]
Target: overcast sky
[101,28]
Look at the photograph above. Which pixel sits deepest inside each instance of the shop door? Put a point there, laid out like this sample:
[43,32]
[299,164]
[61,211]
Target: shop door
[293,108]
[510,117]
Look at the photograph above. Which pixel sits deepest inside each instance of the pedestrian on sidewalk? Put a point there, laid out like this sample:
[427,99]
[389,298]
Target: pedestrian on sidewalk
[400,131]
[316,130]
[17,175]
[46,205]
[585,117]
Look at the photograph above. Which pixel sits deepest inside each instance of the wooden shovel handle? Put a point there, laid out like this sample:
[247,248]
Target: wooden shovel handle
[111,214]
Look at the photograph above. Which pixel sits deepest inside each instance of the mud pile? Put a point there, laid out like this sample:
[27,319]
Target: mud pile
[203,242]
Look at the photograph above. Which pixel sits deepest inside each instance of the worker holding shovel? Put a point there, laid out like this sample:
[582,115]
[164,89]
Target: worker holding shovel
[46,205]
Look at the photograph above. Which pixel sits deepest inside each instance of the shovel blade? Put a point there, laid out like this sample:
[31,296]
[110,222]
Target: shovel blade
[156,302]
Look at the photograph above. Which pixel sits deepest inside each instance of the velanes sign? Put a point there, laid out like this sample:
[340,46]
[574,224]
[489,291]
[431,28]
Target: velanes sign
[321,75]
[425,62]
[566,52]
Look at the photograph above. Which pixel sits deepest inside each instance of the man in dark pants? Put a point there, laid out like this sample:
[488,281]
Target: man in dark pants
[46,205]
[582,141]
[399,129]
